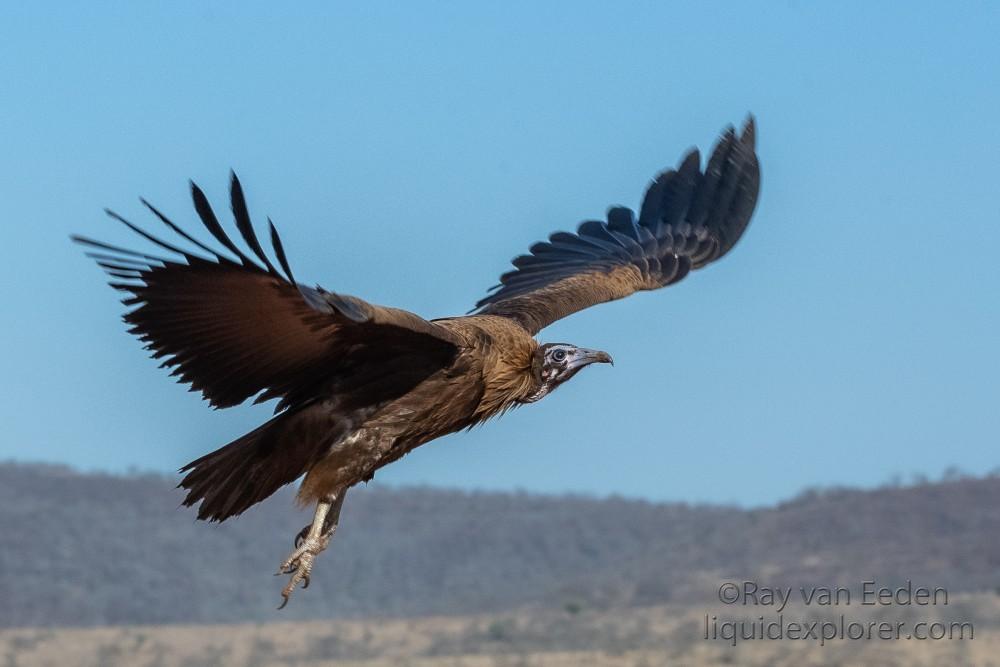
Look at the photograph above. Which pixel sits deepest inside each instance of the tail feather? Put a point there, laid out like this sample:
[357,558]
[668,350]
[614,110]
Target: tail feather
[239,475]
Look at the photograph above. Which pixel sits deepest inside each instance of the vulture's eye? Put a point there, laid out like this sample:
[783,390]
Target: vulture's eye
[559,355]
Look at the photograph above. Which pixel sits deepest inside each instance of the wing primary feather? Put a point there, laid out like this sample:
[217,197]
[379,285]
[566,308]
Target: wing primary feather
[83,240]
[279,250]
[177,230]
[741,208]
[649,211]
[706,191]
[622,220]
[242,216]
[729,183]
[668,197]
[124,275]
[579,244]
[564,243]
[597,233]
[119,266]
[211,223]
[100,256]
[749,136]
[678,192]
[146,235]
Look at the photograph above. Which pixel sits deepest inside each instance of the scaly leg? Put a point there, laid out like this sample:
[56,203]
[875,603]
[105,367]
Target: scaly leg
[313,539]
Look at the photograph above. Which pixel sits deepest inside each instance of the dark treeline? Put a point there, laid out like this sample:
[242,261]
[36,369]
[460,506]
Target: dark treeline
[93,549]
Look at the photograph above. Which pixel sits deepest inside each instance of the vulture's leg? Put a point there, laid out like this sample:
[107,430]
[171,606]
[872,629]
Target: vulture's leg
[309,543]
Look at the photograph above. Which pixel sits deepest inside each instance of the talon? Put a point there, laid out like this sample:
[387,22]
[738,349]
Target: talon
[301,537]
[283,602]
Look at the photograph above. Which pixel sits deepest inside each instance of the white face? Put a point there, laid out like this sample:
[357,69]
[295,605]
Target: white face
[560,362]
[556,361]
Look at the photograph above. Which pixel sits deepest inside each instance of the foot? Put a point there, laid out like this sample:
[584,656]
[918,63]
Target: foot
[300,563]
[310,542]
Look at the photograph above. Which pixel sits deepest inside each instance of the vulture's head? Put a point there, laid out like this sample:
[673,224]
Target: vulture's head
[554,363]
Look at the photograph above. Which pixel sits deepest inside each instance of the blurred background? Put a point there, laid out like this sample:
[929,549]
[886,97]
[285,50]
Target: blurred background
[818,408]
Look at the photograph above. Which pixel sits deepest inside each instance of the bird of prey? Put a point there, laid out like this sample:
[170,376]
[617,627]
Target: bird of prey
[361,385]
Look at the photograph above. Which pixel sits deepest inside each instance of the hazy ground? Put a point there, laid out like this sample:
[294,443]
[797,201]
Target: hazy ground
[661,635]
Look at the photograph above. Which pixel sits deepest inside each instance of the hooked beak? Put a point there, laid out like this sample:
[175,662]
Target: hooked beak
[585,357]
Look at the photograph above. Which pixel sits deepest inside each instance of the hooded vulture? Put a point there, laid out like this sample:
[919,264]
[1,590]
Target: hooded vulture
[359,385]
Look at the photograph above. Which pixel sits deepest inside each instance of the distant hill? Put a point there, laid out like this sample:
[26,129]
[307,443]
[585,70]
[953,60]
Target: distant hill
[95,549]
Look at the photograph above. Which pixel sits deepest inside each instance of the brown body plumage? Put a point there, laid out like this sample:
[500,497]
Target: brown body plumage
[490,374]
[360,385]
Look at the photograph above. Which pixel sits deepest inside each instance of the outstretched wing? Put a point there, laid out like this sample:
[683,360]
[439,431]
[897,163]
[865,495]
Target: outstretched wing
[235,327]
[688,219]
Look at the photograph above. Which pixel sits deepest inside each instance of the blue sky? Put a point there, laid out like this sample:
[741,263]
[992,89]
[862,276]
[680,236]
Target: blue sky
[407,153]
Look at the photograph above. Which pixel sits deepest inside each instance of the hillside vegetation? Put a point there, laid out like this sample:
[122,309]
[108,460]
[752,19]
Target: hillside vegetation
[91,549]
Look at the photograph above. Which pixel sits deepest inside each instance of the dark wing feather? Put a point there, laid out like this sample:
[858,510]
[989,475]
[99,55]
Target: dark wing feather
[687,220]
[242,216]
[236,329]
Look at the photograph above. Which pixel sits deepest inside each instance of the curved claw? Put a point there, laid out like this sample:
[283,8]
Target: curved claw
[301,537]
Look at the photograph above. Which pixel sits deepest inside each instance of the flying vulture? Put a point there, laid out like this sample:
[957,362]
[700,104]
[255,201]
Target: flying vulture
[360,385]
